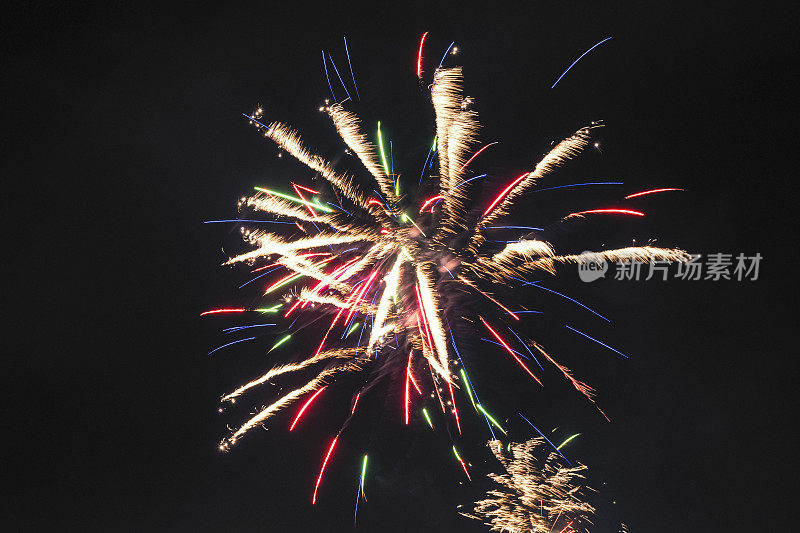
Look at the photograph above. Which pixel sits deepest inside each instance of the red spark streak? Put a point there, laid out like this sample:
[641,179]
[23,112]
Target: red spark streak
[419,55]
[408,373]
[566,527]
[308,206]
[651,191]
[353,410]
[424,318]
[428,201]
[504,193]
[291,275]
[321,285]
[557,517]
[510,351]
[265,266]
[465,468]
[619,211]
[322,470]
[303,409]
[360,294]
[414,382]
[474,156]
[312,191]
[421,333]
[293,308]
[216,311]
[379,204]
[333,323]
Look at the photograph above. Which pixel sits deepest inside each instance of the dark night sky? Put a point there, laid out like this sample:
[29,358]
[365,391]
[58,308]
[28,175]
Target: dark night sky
[126,134]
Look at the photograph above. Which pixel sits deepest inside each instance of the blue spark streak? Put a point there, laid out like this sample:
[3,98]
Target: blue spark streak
[237,328]
[430,151]
[597,341]
[346,51]
[325,64]
[514,227]
[579,185]
[469,381]
[545,438]
[259,276]
[245,220]
[337,207]
[234,342]
[497,343]
[337,74]
[467,181]
[358,496]
[445,55]
[536,284]
[583,54]
[526,347]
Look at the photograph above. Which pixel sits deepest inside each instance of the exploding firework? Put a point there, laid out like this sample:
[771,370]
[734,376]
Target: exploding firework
[371,270]
[537,494]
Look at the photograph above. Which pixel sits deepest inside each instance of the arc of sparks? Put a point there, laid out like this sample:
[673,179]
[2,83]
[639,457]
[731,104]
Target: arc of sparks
[652,191]
[567,441]
[609,211]
[322,470]
[347,52]
[305,406]
[581,57]
[419,55]
[475,155]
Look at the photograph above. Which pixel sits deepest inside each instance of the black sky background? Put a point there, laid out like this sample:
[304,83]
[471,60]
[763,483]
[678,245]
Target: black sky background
[124,133]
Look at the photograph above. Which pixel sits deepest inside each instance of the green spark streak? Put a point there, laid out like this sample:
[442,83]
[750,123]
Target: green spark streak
[566,441]
[294,199]
[433,147]
[273,309]
[285,282]
[363,473]
[428,418]
[380,147]
[286,338]
[408,218]
[492,420]
[456,452]
[352,329]
[466,386]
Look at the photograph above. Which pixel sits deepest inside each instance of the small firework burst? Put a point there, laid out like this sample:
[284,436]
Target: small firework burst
[536,494]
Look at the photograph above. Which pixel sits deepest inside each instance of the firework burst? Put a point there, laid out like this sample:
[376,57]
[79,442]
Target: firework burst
[382,259]
[536,494]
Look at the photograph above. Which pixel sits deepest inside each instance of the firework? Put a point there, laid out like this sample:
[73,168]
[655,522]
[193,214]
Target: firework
[382,260]
[535,493]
